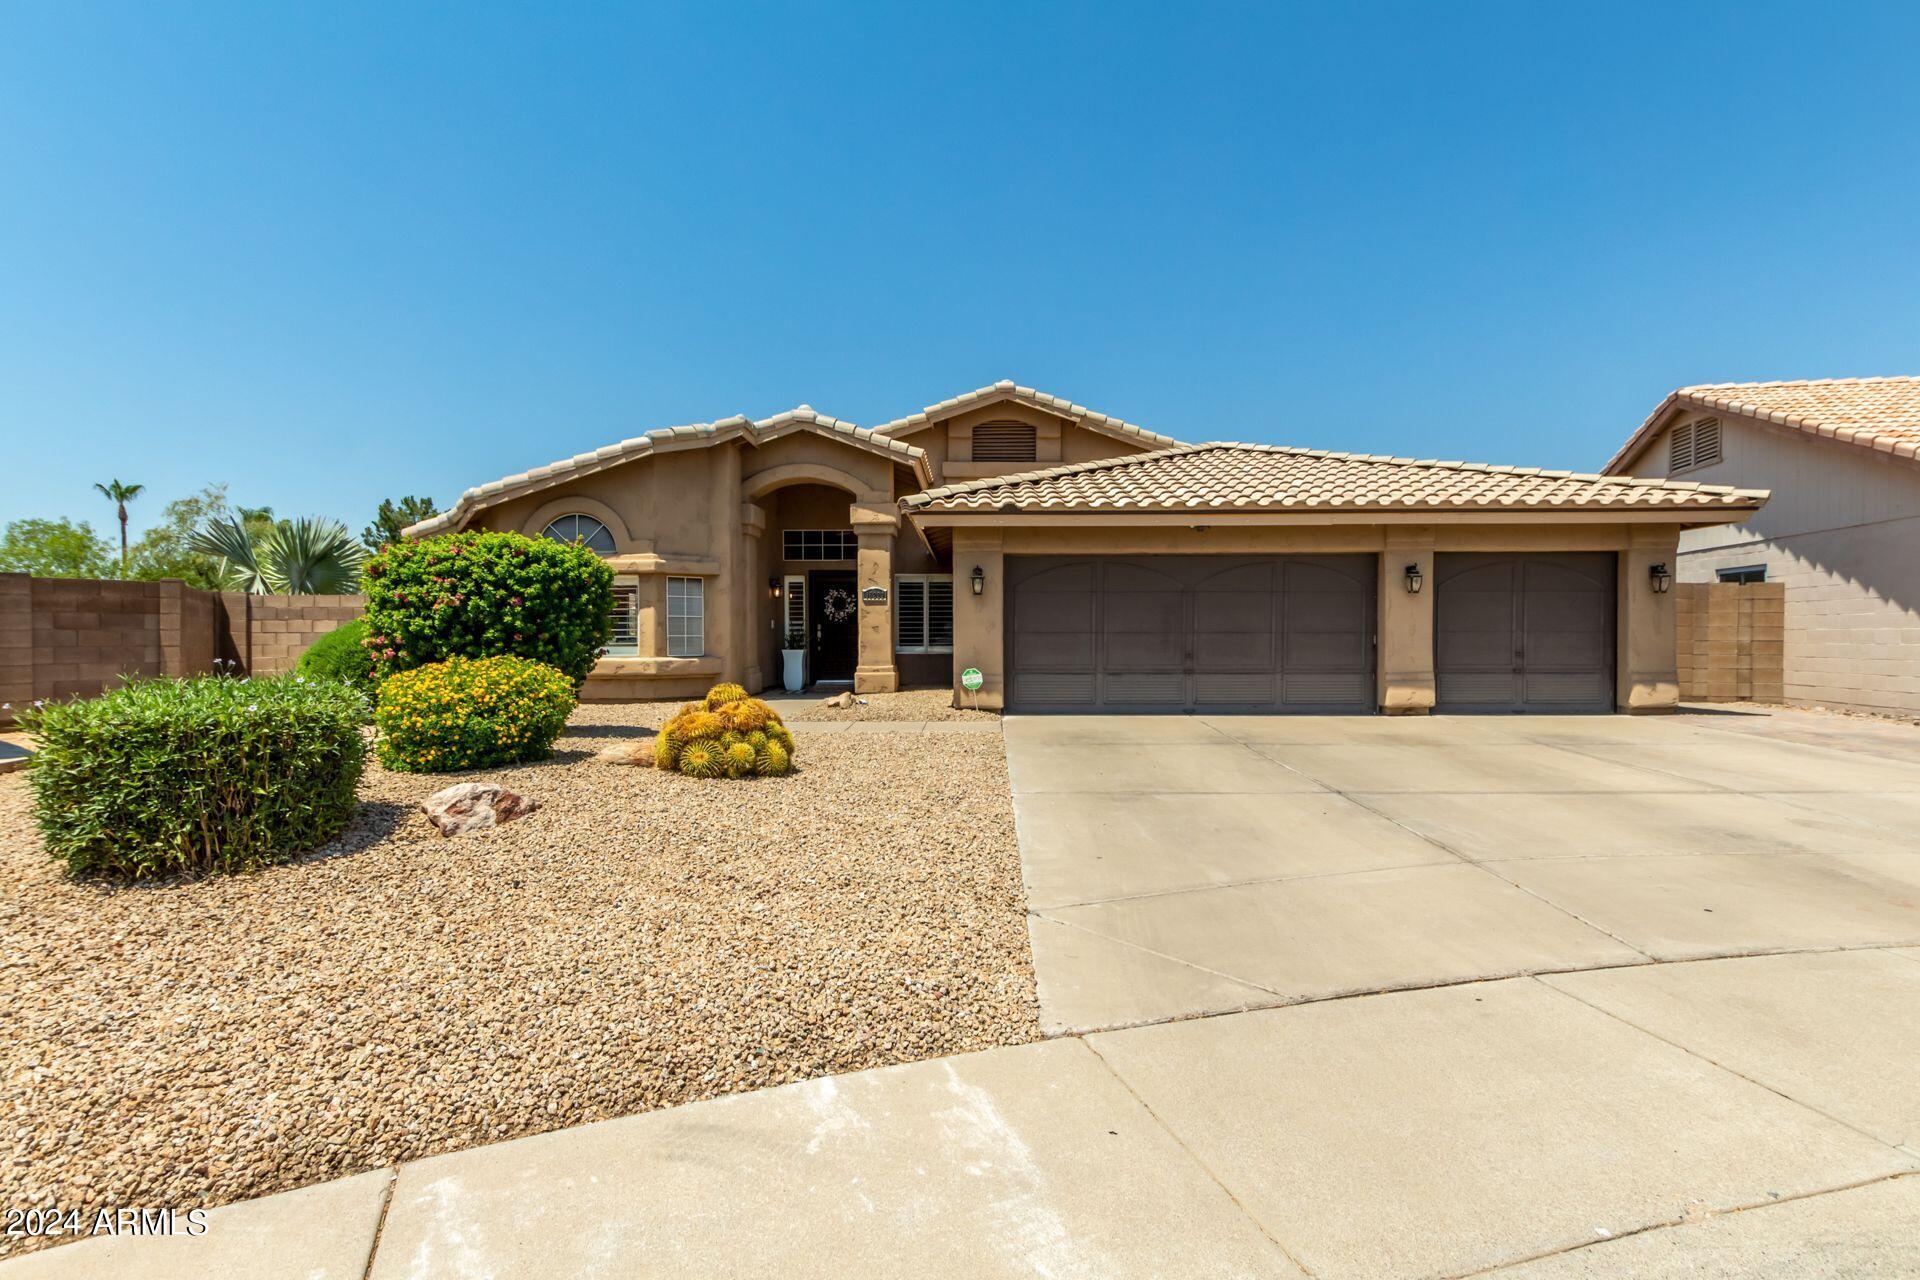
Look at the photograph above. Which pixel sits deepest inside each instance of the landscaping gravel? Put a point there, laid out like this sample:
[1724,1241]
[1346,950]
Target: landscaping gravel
[641,940]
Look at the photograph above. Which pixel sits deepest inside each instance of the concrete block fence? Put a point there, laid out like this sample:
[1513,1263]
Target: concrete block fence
[1731,641]
[74,637]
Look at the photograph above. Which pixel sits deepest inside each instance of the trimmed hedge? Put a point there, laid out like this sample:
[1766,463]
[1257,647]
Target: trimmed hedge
[341,654]
[195,777]
[471,713]
[725,735]
[484,595]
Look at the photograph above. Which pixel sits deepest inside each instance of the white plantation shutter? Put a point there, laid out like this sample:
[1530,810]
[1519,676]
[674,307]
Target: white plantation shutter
[796,607]
[923,614]
[940,613]
[910,615]
[626,619]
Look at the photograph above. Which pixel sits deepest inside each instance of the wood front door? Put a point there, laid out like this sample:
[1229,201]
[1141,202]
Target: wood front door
[833,604]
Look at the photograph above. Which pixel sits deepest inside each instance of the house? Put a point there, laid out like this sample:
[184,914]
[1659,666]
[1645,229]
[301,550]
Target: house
[1078,561]
[1842,456]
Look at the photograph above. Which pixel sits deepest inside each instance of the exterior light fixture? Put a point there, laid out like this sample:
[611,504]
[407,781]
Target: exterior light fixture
[1414,580]
[773,587]
[979,580]
[1660,578]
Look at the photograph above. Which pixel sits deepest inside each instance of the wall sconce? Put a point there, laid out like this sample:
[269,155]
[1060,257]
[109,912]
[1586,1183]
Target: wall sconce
[979,580]
[1413,580]
[1660,578]
[773,587]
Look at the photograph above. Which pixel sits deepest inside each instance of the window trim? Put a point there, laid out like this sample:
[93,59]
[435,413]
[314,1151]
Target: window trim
[844,540]
[926,611]
[699,619]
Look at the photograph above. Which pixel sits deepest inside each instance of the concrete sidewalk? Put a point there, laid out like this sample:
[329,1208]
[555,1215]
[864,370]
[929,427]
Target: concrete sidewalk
[1750,1117]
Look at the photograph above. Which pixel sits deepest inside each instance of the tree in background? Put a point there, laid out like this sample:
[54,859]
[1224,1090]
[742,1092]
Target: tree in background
[120,495]
[166,550]
[392,517]
[311,556]
[54,549]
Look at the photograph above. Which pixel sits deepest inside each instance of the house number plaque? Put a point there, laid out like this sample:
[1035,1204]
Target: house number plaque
[874,595]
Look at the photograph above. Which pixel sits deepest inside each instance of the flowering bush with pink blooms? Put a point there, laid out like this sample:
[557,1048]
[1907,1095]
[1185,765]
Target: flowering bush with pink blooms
[487,595]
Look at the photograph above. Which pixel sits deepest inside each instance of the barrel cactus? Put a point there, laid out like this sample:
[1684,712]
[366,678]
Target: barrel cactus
[725,735]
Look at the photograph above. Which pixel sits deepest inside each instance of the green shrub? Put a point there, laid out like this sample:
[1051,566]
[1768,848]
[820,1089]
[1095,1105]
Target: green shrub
[727,734]
[193,777]
[341,654]
[482,595]
[471,713]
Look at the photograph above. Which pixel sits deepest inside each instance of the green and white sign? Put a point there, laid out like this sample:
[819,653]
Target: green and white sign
[971,679]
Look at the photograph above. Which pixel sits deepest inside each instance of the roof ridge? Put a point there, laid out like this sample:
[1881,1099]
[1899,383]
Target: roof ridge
[1052,473]
[1039,399]
[1801,382]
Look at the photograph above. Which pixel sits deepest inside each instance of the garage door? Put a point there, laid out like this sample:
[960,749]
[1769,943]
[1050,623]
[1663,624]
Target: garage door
[1524,632]
[1190,633]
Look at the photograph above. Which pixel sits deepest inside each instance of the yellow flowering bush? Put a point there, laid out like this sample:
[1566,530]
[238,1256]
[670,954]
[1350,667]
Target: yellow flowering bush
[470,713]
[725,735]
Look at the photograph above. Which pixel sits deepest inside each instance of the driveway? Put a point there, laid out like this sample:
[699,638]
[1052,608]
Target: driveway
[1179,866]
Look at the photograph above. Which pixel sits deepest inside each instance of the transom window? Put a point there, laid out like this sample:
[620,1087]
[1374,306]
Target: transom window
[923,613]
[1693,444]
[1004,442]
[819,544]
[586,531]
[686,618]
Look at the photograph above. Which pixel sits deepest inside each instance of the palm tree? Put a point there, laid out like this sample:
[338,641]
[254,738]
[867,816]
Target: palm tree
[120,495]
[311,556]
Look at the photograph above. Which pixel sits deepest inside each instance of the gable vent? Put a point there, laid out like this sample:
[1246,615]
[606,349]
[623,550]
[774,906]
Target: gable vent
[1003,442]
[1693,444]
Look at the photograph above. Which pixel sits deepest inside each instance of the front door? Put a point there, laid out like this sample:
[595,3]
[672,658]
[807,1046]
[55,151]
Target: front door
[833,602]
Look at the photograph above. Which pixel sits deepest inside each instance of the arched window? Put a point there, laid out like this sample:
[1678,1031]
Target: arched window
[586,531]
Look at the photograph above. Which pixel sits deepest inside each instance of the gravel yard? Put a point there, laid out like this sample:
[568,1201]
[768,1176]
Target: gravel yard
[643,940]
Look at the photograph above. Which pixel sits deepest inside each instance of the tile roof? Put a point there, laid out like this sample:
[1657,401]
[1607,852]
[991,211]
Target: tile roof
[1006,390]
[1882,414]
[1256,477]
[696,435]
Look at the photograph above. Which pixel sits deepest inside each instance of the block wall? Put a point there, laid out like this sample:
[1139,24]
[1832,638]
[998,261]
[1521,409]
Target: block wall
[1731,641]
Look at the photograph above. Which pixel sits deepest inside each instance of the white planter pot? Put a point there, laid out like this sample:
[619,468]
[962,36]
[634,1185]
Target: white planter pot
[793,669]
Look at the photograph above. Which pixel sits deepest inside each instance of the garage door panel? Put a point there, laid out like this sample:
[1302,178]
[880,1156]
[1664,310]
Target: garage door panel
[1524,631]
[1184,632]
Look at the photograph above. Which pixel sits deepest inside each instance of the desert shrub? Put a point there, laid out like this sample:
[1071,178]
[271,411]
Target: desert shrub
[484,595]
[194,777]
[471,713]
[728,734]
[341,654]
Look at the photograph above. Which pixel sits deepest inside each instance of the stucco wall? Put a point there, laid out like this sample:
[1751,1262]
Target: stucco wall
[1841,534]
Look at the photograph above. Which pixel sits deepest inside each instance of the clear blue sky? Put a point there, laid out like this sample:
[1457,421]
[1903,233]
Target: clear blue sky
[329,253]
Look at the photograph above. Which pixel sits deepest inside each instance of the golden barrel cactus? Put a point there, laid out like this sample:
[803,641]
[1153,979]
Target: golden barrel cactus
[725,735]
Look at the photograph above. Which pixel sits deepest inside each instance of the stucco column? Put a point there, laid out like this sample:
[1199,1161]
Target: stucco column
[874,525]
[979,622]
[1648,677]
[1404,660]
[753,600]
[724,590]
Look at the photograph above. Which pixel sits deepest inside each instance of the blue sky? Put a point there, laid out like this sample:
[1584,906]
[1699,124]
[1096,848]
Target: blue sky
[330,253]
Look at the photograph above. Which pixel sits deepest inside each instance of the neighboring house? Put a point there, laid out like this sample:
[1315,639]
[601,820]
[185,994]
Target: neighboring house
[1080,562]
[1842,457]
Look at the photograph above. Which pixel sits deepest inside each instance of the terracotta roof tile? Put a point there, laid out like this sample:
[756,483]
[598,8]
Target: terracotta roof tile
[1882,414]
[1254,477]
[1006,389]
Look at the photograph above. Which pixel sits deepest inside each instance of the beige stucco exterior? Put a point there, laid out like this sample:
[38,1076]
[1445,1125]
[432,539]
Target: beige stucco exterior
[715,504]
[1842,533]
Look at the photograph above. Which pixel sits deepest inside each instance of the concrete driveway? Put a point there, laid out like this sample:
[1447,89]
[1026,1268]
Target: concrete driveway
[1179,866]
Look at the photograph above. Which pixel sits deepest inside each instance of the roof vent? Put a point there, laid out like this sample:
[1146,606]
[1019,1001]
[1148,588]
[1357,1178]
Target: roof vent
[1004,442]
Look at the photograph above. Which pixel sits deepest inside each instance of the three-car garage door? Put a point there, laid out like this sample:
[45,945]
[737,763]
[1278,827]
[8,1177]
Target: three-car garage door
[1524,632]
[1190,633]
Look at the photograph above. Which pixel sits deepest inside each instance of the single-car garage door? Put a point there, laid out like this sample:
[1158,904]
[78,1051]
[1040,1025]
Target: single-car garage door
[1527,632]
[1190,633]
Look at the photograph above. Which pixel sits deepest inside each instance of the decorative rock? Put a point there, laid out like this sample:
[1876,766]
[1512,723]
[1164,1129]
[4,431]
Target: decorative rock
[636,753]
[841,700]
[474,806]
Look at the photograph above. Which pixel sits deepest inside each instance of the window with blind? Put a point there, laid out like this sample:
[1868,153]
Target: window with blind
[796,611]
[923,614]
[1003,442]
[1693,444]
[686,618]
[626,619]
